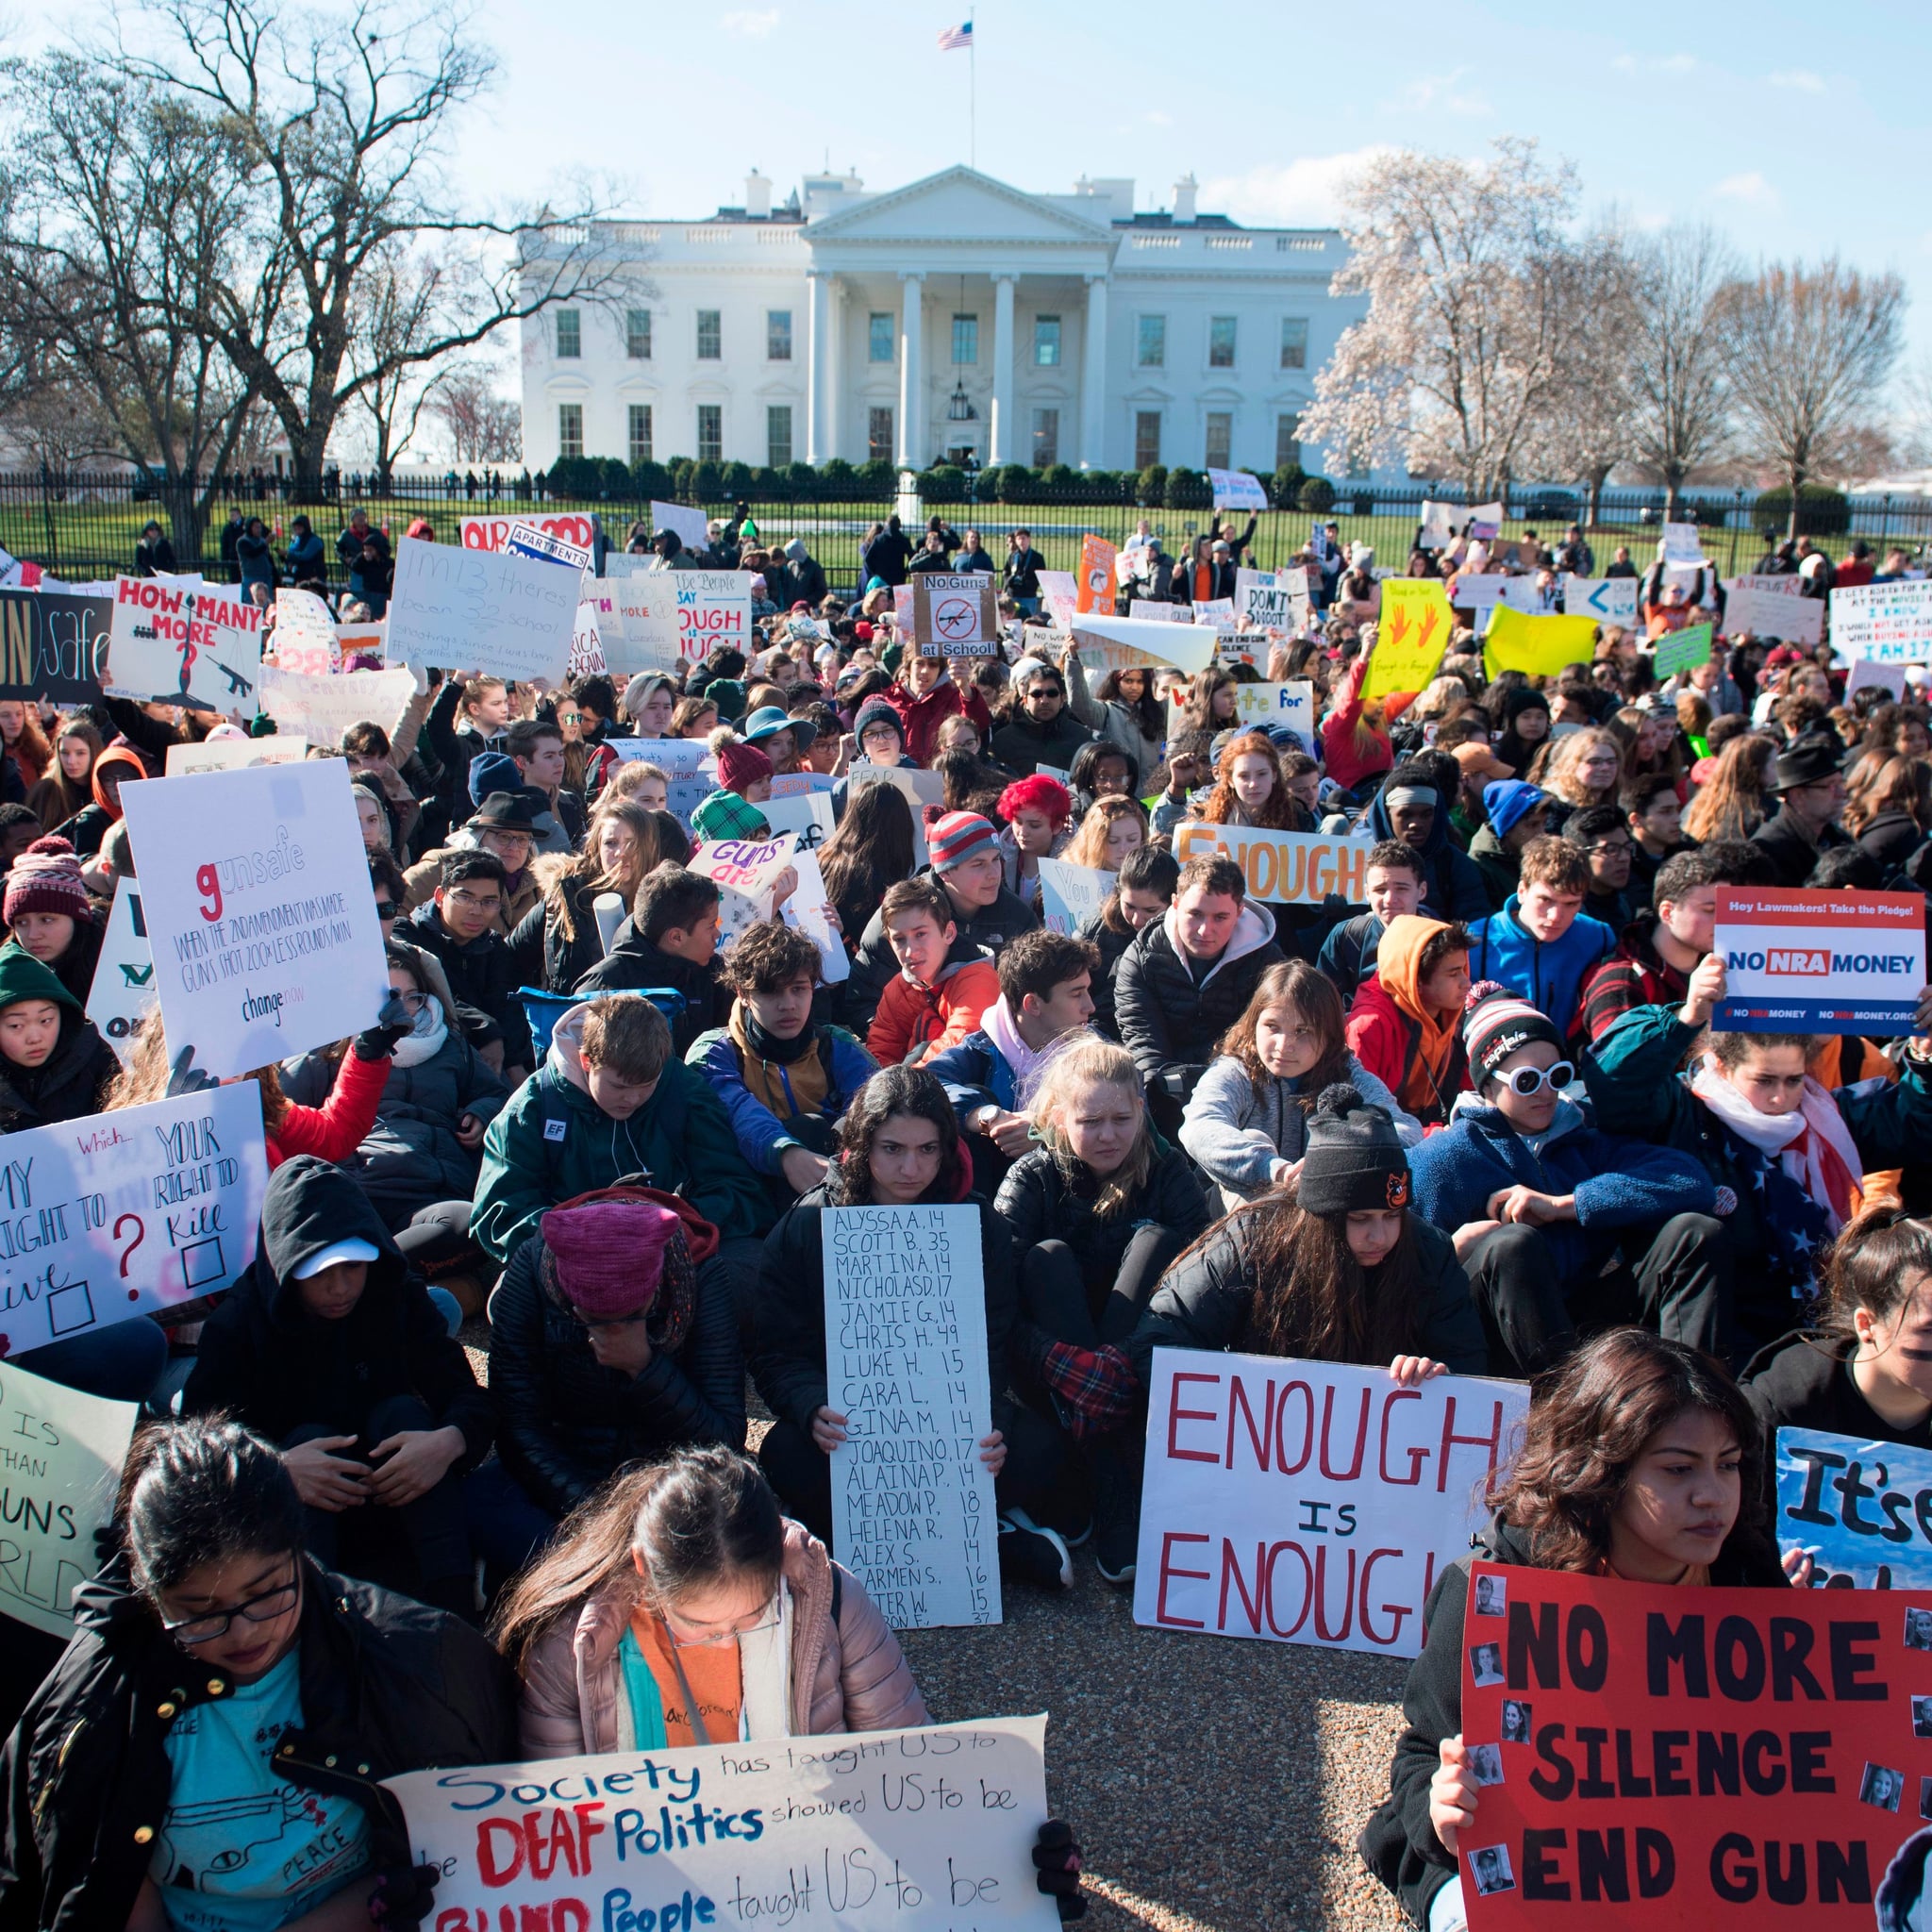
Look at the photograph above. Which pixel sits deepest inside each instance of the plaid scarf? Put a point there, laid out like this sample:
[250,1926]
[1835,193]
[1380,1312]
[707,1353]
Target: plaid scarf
[1093,1389]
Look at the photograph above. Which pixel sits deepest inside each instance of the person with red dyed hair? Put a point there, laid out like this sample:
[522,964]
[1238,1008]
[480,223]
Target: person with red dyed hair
[1037,812]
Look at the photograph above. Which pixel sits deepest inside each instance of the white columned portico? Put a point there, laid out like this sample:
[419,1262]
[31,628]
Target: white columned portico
[911,373]
[1093,374]
[818,434]
[1000,439]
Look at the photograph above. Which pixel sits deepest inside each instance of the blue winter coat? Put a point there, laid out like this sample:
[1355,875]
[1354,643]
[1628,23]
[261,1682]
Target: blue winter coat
[976,1073]
[762,1136]
[1550,977]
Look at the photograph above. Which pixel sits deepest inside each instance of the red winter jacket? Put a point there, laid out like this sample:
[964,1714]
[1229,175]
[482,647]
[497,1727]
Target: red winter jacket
[923,717]
[335,1129]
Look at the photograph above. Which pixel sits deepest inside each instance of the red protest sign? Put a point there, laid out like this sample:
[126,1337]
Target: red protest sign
[1679,1757]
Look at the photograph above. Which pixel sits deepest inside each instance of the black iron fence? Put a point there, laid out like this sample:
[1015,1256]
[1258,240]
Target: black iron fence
[81,528]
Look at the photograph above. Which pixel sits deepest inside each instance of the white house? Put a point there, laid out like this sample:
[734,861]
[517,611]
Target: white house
[955,315]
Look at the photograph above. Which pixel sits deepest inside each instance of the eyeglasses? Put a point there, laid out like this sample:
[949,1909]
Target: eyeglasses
[264,1608]
[701,1639]
[1611,845]
[1528,1080]
[412,1002]
[475,903]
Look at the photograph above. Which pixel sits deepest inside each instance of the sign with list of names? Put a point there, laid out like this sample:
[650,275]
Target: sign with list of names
[906,1364]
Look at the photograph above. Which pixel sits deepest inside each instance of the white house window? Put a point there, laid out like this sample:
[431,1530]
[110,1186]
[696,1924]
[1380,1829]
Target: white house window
[1046,341]
[1288,442]
[1046,438]
[965,339]
[1150,343]
[641,432]
[1294,342]
[711,432]
[779,434]
[878,434]
[1146,438]
[710,335]
[878,337]
[570,429]
[1220,341]
[637,334]
[777,335]
[1220,437]
[570,333]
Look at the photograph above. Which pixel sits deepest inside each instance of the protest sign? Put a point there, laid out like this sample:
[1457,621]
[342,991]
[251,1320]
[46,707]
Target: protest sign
[1309,1502]
[807,815]
[1890,623]
[116,1214]
[320,709]
[1479,592]
[1782,585]
[1283,867]
[303,639]
[1099,560]
[1266,600]
[1889,677]
[232,754]
[1136,643]
[122,993]
[1771,608]
[483,610]
[528,540]
[713,611]
[797,784]
[1072,894]
[493,533]
[746,870]
[901,608]
[920,788]
[1440,523]
[365,646]
[587,658]
[254,887]
[63,1467]
[187,647]
[683,761]
[1681,651]
[1411,637]
[1683,546]
[1217,612]
[1539,646]
[53,644]
[1056,584]
[906,1364]
[1847,961]
[1605,600]
[687,519]
[809,911]
[1291,704]
[1484,521]
[637,615]
[1237,490]
[955,615]
[891,1829]
[1529,594]
[1681,1758]
[1864,1509]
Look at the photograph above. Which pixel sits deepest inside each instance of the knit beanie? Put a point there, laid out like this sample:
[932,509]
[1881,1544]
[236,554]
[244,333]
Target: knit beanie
[493,771]
[46,878]
[609,1255]
[955,837]
[740,764]
[877,710]
[1355,1160]
[1506,800]
[1496,1026]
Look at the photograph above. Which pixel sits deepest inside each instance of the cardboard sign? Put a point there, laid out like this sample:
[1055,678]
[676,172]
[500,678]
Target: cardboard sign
[53,644]
[122,994]
[906,1364]
[955,615]
[1890,623]
[1410,637]
[1271,600]
[1237,490]
[1771,608]
[1604,600]
[1682,651]
[187,647]
[1683,546]
[1864,1509]
[1283,867]
[1099,574]
[1847,961]
[321,709]
[234,754]
[1069,895]
[64,1456]
[493,533]
[1139,642]
[713,611]
[303,639]
[116,1214]
[484,610]
[1309,1502]
[747,872]
[1540,646]
[687,519]
[1683,1759]
[890,1830]
[254,887]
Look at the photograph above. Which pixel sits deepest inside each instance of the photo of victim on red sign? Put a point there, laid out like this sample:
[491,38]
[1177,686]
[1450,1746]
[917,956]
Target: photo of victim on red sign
[1819,962]
[1671,1758]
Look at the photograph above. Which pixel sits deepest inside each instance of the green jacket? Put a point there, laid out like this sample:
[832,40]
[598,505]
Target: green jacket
[553,1142]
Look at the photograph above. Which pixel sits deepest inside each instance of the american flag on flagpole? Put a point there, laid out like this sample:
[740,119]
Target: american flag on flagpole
[952,37]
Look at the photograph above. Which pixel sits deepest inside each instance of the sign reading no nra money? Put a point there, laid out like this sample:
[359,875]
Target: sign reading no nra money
[1311,1502]
[1819,962]
[1283,867]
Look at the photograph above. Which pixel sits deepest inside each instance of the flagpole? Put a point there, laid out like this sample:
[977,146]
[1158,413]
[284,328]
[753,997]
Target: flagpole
[972,94]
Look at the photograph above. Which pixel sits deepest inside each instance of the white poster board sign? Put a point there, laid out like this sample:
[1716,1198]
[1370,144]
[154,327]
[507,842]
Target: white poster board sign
[1886,624]
[1309,1502]
[1217,612]
[1291,704]
[884,1833]
[920,788]
[234,754]
[1788,618]
[687,762]
[747,872]
[810,910]
[1609,600]
[66,1450]
[1265,599]
[587,658]
[1440,522]
[122,993]
[906,1365]
[1529,594]
[1237,490]
[687,519]
[1479,594]
[955,614]
[1683,546]
[637,615]
[320,709]
[713,611]
[1072,894]
[806,814]
[1889,677]
[254,887]
[116,1214]
[304,638]
[1130,644]
[474,610]
[189,647]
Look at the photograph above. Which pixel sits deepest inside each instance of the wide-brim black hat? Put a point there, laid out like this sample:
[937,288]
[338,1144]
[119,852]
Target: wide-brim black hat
[1816,755]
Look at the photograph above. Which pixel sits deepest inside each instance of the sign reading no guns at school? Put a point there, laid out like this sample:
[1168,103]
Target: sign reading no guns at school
[1819,962]
[1311,1502]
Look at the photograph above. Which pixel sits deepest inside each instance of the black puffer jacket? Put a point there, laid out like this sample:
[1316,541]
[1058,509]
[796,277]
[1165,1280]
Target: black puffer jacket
[1112,946]
[388,1685]
[1169,1021]
[66,1086]
[633,964]
[544,954]
[276,1368]
[565,1423]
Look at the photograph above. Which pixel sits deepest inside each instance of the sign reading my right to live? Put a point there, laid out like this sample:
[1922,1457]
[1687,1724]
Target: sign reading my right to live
[1819,962]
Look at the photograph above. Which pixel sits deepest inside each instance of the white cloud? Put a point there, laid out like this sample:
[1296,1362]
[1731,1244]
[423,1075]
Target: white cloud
[1306,192]
[1800,79]
[1160,117]
[745,25]
[1752,189]
[1443,91]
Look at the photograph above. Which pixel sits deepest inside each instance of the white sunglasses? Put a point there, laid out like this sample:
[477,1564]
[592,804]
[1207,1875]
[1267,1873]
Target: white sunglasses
[1528,1080]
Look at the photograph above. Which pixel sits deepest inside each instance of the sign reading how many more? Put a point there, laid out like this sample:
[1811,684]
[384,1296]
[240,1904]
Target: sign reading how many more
[1849,961]
[906,1364]
[1309,1501]
[199,648]
[477,610]
[955,615]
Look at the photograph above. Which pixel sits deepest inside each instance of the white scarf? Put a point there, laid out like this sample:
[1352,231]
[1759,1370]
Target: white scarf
[421,1043]
[999,1026]
[1812,1145]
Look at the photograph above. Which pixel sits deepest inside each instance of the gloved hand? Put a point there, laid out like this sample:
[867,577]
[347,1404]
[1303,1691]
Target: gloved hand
[393,1022]
[186,1077]
[403,1897]
[1056,1869]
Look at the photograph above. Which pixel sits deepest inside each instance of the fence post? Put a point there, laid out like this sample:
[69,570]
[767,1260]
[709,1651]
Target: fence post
[47,519]
[1734,534]
[1884,525]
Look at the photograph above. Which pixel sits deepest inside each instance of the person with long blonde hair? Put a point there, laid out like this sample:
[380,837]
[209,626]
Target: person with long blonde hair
[1112,828]
[1583,768]
[558,941]
[1733,803]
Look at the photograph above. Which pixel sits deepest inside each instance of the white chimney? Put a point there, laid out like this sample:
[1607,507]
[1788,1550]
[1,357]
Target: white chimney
[757,196]
[1184,198]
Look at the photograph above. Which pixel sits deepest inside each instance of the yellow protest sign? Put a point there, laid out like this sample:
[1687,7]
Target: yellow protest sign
[1411,637]
[1537,646]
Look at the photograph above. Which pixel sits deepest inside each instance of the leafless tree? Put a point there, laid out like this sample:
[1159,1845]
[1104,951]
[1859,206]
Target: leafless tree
[484,425]
[1591,399]
[1681,417]
[400,299]
[1808,352]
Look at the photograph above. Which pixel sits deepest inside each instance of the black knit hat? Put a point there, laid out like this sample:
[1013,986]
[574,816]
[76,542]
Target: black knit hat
[1354,1159]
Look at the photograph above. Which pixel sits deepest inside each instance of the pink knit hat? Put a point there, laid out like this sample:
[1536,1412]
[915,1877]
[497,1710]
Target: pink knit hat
[609,1255]
[740,764]
[46,878]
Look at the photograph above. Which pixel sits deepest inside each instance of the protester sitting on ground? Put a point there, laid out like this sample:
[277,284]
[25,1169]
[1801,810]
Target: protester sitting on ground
[558,941]
[1035,813]
[467,715]
[68,785]
[1406,1025]
[1412,808]
[607,1348]
[879,733]
[898,1146]
[870,851]
[1040,730]
[462,926]
[1392,885]
[1112,828]
[1810,791]
[54,1066]
[1654,818]
[925,695]
[784,1079]
[1045,996]
[49,914]
[118,765]
[1187,976]
[1543,945]
[503,823]
[329,1346]
[1641,1462]
[1599,832]
[1102,770]
[745,783]
[669,940]
[1562,1228]
[208,1641]
[944,985]
[1246,1124]
[1143,889]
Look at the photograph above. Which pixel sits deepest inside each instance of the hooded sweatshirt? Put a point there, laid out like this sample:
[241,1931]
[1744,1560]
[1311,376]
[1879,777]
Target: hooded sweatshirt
[1415,1051]
[1172,1009]
[1548,974]
[1452,882]
[85,830]
[70,1082]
